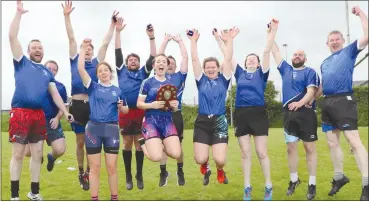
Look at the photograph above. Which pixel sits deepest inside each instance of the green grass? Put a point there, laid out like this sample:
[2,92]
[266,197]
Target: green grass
[62,184]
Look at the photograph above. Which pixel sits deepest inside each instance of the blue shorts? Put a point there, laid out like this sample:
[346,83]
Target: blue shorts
[158,126]
[53,134]
[99,134]
[78,128]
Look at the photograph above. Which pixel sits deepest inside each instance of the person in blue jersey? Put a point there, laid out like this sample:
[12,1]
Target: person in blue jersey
[130,77]
[339,108]
[79,106]
[55,134]
[211,127]
[250,112]
[158,130]
[102,129]
[27,123]
[299,84]
[178,79]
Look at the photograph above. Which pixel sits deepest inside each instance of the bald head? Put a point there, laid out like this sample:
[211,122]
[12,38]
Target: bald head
[299,59]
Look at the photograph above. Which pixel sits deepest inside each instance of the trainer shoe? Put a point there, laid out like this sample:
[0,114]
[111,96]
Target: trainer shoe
[204,168]
[206,178]
[181,180]
[364,194]
[163,178]
[86,181]
[50,162]
[140,182]
[247,194]
[268,194]
[337,185]
[14,199]
[34,197]
[291,187]
[129,182]
[311,192]
[221,177]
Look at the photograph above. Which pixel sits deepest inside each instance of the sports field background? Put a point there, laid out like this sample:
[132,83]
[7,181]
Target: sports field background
[62,184]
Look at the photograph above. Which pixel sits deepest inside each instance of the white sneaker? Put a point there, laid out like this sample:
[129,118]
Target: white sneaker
[15,199]
[34,197]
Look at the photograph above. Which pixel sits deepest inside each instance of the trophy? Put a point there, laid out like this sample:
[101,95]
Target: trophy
[167,93]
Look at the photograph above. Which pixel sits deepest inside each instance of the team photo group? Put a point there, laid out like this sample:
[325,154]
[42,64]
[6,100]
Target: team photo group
[146,110]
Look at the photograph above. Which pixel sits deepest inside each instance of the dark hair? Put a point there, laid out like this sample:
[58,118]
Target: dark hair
[53,62]
[106,64]
[168,61]
[132,55]
[33,40]
[171,57]
[210,59]
[252,54]
[92,46]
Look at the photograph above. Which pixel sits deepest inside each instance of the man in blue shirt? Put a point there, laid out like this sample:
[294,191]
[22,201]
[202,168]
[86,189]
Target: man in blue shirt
[339,108]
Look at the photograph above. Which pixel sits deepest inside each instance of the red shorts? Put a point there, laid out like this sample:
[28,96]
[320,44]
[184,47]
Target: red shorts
[27,125]
[131,123]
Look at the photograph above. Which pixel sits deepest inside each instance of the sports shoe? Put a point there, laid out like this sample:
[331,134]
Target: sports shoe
[84,181]
[337,185]
[34,197]
[181,180]
[247,194]
[140,182]
[14,199]
[129,182]
[206,178]
[364,193]
[268,194]
[221,176]
[50,162]
[163,178]
[311,192]
[291,187]
[204,167]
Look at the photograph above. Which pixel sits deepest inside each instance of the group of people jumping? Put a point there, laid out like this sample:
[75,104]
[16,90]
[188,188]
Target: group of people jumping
[99,111]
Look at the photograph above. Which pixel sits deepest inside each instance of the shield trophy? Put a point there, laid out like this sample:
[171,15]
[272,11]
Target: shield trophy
[166,93]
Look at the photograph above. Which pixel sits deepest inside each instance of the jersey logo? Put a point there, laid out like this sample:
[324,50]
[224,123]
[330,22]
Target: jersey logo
[294,74]
[114,93]
[45,72]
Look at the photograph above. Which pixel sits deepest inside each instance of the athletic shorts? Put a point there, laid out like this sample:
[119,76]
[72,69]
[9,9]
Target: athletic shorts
[251,120]
[80,109]
[99,134]
[131,123]
[339,111]
[53,134]
[302,124]
[27,125]
[211,130]
[158,126]
[178,122]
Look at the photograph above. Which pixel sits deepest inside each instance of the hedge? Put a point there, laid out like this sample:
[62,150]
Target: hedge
[274,111]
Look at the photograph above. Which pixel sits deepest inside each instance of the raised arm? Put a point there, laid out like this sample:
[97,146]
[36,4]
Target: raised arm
[228,37]
[222,46]
[86,79]
[107,39]
[167,38]
[119,26]
[182,47]
[363,41]
[276,54]
[272,31]
[196,65]
[151,34]
[67,10]
[15,45]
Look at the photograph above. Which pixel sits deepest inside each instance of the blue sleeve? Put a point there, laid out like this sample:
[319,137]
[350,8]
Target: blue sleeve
[95,62]
[74,61]
[238,71]
[283,67]
[21,62]
[352,49]
[63,93]
[225,81]
[145,87]
[312,79]
[183,76]
[201,81]
[263,75]
[119,70]
[92,87]
[123,97]
[143,72]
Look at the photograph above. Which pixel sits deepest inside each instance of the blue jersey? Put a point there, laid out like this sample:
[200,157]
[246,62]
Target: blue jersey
[212,94]
[250,87]
[296,81]
[49,107]
[130,83]
[77,84]
[103,102]
[337,70]
[149,88]
[178,79]
[31,84]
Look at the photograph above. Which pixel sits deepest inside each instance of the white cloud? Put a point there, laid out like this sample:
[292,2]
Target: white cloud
[303,25]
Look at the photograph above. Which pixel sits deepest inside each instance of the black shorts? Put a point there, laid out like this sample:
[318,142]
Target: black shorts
[211,130]
[251,120]
[178,122]
[53,134]
[340,111]
[302,123]
[80,109]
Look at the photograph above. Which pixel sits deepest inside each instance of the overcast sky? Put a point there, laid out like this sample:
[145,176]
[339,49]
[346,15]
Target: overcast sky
[303,25]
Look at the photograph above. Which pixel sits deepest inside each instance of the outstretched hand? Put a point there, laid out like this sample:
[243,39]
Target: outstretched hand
[119,25]
[67,7]
[193,34]
[86,42]
[150,31]
[356,10]
[177,38]
[167,37]
[216,34]
[20,8]
[114,18]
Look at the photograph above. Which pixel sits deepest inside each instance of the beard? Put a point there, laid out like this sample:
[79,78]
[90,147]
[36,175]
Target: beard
[33,58]
[298,64]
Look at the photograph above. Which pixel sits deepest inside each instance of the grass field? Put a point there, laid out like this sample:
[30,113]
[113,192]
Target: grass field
[62,184]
